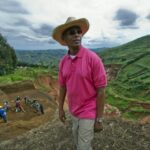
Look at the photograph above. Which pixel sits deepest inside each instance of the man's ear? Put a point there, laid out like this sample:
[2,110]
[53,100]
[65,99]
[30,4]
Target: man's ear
[63,37]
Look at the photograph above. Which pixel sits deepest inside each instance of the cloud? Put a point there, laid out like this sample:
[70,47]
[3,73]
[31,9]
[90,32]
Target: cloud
[26,21]
[44,30]
[38,30]
[148,17]
[10,6]
[52,41]
[24,35]
[126,18]
[27,31]
[22,22]
[25,41]
[101,42]
[5,31]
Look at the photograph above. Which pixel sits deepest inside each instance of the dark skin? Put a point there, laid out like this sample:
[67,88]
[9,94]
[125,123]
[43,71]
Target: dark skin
[100,101]
[74,42]
[62,94]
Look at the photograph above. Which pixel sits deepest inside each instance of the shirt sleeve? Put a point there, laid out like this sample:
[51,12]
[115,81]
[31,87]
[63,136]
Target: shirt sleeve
[99,73]
[61,78]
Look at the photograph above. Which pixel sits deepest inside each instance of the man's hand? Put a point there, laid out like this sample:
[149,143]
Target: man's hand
[62,116]
[98,126]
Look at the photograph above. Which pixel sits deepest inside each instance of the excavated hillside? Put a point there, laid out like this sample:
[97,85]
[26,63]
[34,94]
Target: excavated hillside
[30,130]
[21,122]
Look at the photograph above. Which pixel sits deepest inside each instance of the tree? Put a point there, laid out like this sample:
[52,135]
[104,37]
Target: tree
[8,59]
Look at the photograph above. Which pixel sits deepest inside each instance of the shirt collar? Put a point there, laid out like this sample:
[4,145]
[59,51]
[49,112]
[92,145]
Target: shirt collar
[80,53]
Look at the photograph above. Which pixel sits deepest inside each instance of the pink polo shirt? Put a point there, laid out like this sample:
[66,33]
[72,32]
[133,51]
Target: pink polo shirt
[82,76]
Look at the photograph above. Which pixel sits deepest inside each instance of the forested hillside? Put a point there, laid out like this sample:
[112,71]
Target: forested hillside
[131,84]
[49,57]
[8,59]
[40,57]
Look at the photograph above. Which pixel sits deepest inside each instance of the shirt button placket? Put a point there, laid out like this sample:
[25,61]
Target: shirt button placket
[72,66]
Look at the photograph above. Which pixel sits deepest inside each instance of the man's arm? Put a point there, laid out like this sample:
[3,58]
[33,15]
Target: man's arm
[100,101]
[62,94]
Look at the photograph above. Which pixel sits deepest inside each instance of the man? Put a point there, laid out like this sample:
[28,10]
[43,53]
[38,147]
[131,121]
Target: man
[82,77]
[6,105]
[39,107]
[3,114]
[18,104]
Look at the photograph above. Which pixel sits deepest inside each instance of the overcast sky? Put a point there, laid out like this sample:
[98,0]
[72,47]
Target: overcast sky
[28,24]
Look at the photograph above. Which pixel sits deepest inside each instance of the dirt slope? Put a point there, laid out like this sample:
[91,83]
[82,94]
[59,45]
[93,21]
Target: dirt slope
[21,122]
[117,135]
[32,131]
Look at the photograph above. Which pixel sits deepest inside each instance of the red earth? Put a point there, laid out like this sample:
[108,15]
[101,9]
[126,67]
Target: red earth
[45,90]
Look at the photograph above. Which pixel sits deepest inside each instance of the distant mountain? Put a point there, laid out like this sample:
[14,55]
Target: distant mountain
[98,49]
[44,57]
[40,57]
[133,78]
[8,59]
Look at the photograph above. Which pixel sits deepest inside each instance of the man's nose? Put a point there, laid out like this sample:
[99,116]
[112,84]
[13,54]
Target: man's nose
[77,33]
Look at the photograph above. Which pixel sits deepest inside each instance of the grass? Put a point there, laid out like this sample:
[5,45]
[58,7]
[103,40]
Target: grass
[123,104]
[133,78]
[132,115]
[26,73]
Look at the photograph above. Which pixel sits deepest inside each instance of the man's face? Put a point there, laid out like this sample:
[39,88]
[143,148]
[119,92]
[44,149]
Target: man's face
[73,36]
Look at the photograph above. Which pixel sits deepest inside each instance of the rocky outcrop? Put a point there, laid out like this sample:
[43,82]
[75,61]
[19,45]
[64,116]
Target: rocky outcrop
[111,71]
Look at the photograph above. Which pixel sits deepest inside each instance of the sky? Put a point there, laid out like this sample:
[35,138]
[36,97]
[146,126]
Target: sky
[29,24]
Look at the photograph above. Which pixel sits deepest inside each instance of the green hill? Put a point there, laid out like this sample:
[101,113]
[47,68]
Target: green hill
[49,57]
[40,57]
[132,83]
[128,51]
[8,59]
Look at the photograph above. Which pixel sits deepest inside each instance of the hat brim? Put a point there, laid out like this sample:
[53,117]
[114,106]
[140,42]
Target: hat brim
[58,31]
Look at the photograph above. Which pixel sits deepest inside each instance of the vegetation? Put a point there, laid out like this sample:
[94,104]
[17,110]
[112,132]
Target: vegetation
[48,58]
[133,78]
[131,83]
[25,73]
[40,57]
[8,59]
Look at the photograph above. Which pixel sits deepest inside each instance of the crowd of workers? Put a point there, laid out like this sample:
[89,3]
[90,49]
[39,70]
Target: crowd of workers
[38,107]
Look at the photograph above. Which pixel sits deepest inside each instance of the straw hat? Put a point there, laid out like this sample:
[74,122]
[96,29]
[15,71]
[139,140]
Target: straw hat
[71,21]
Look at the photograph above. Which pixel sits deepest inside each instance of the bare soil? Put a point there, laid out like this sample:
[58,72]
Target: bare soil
[21,122]
[117,135]
[32,131]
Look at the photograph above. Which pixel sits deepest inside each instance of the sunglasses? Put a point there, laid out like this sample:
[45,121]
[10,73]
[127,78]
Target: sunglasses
[74,31]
